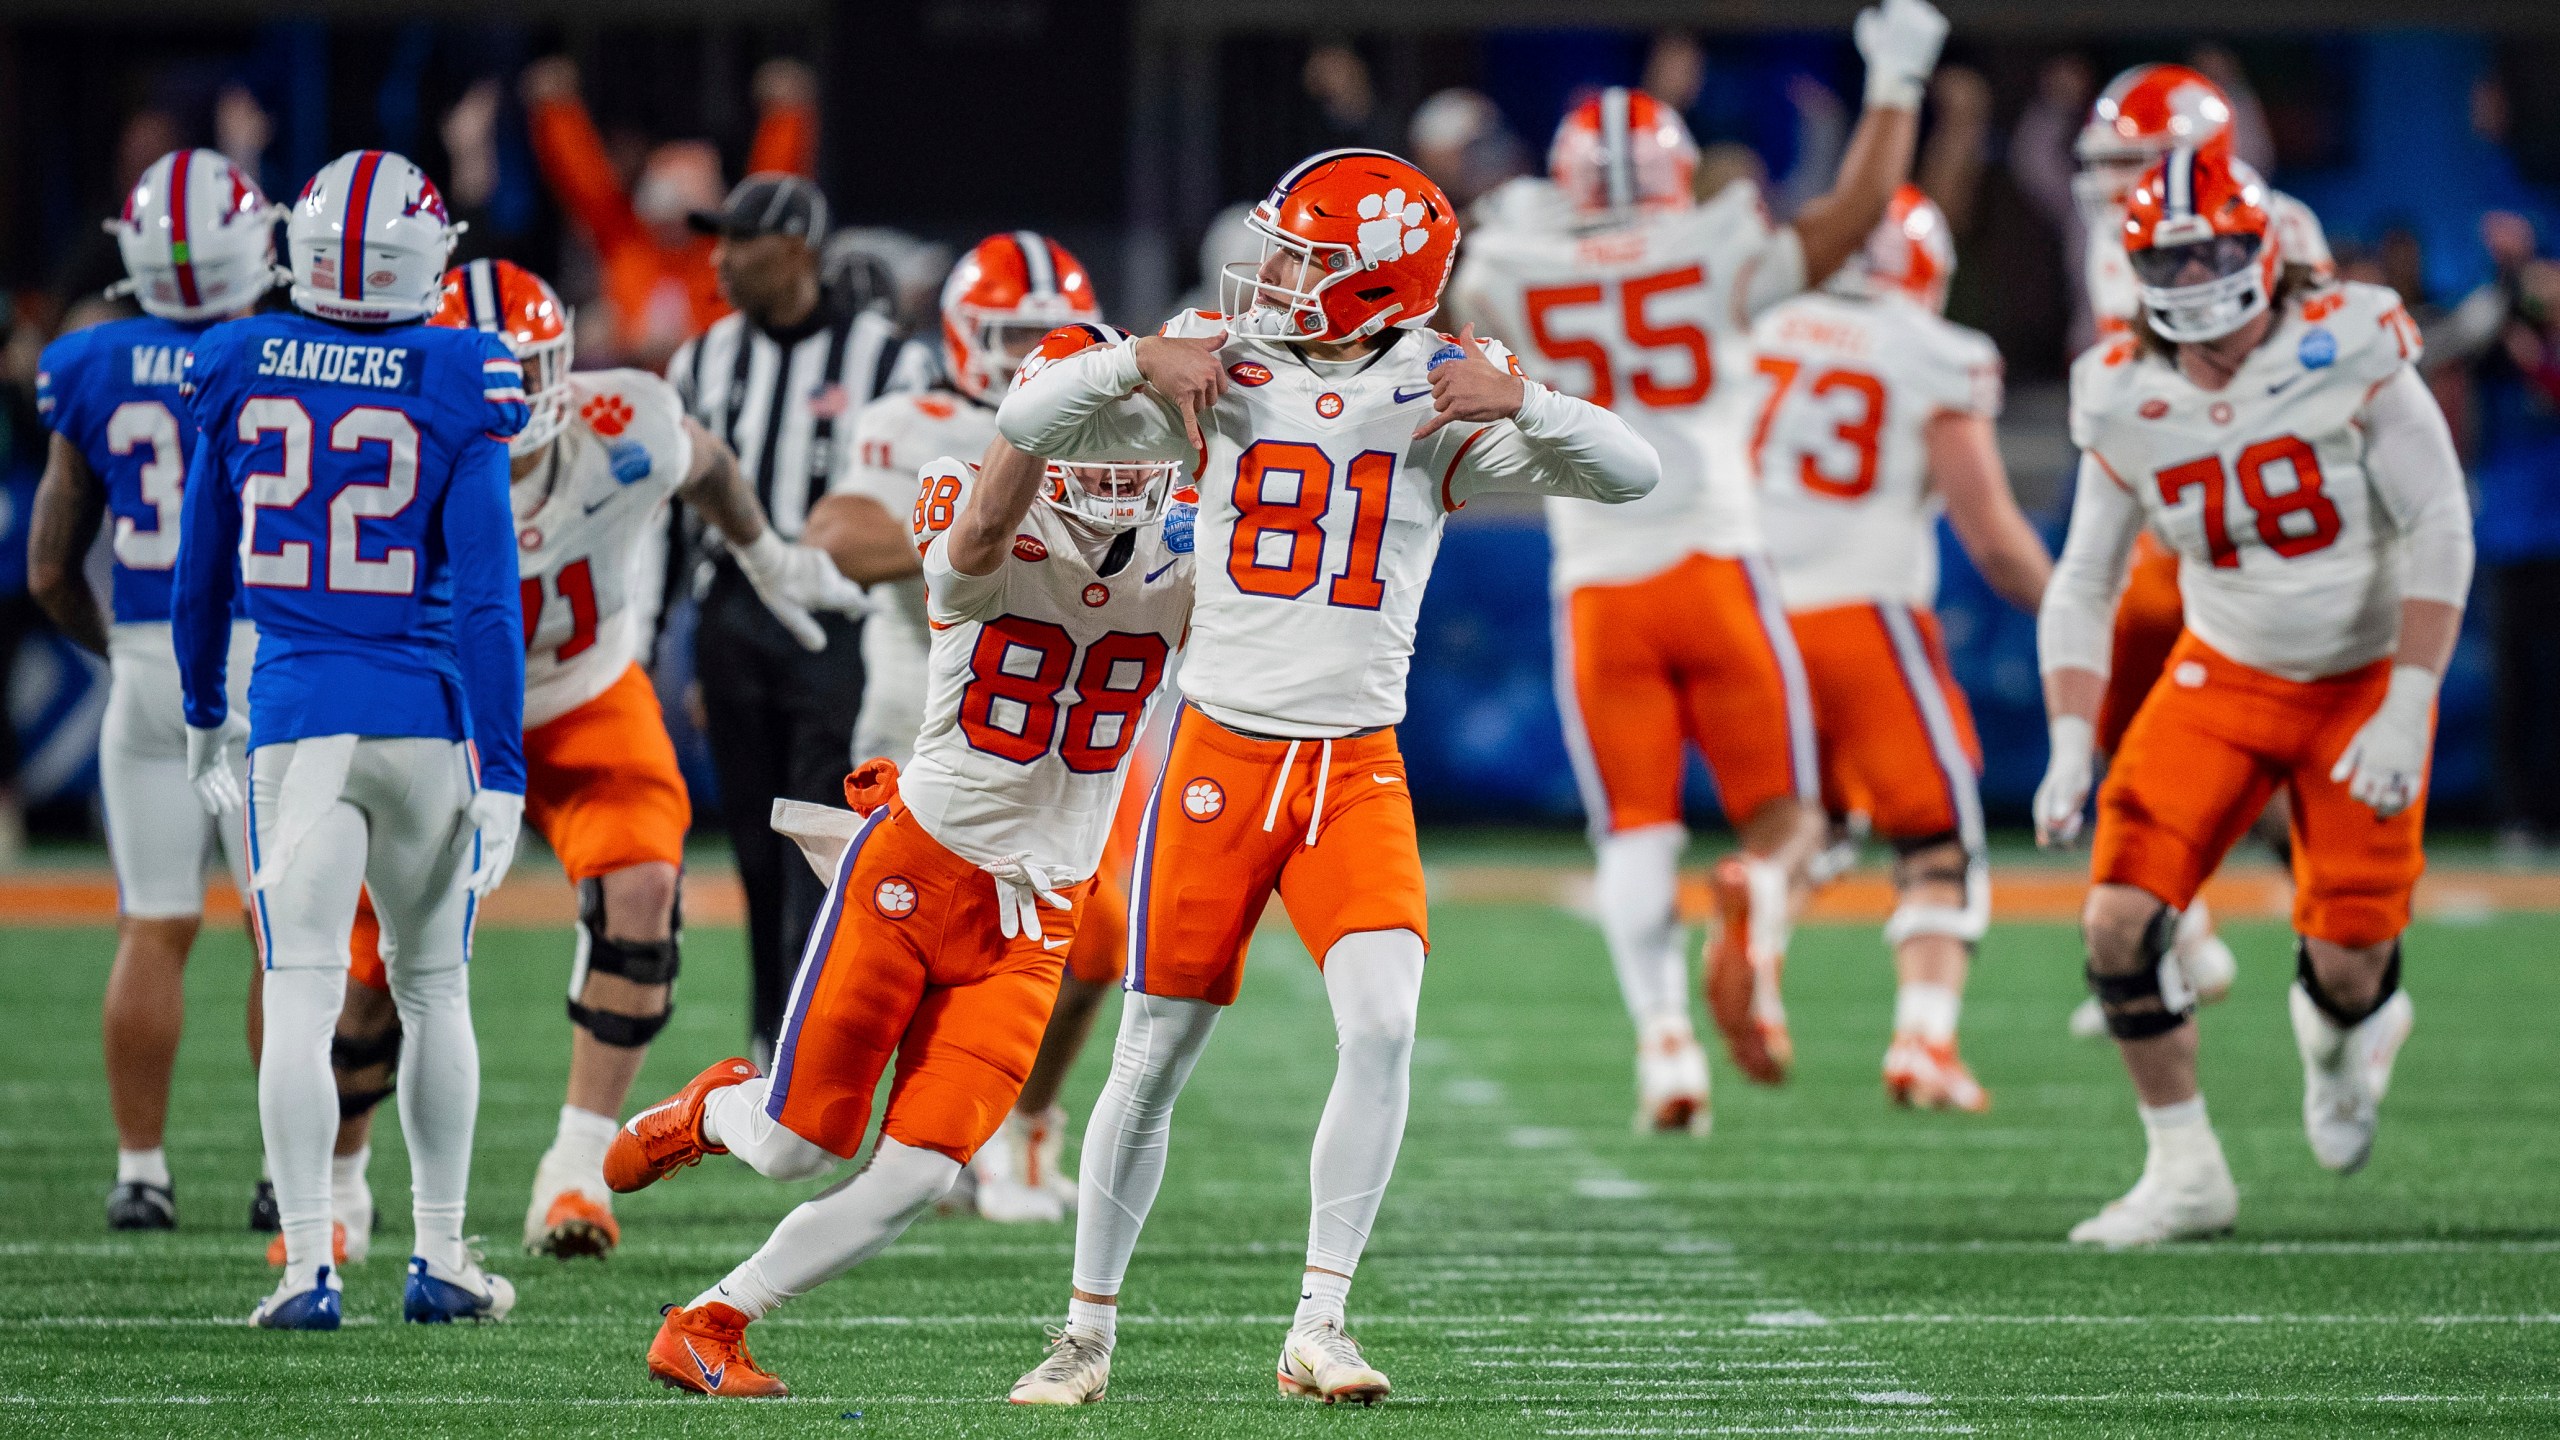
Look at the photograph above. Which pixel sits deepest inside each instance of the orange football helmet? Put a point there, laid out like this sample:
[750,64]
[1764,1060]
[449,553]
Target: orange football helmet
[1003,296]
[2197,232]
[1113,495]
[1353,241]
[1623,150]
[506,299]
[2142,115]
[1909,251]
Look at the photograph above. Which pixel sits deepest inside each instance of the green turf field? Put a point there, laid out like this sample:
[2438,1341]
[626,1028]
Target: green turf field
[1823,1265]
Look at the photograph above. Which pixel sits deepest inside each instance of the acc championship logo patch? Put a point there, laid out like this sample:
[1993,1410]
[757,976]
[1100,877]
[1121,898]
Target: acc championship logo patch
[2318,351]
[2154,408]
[1245,372]
[895,899]
[1203,800]
[1028,547]
[631,462]
[1179,518]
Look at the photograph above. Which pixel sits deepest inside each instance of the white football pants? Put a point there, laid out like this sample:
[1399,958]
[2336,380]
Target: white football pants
[335,814]
[158,836]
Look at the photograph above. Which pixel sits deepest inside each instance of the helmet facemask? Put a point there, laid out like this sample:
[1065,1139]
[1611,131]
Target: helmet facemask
[2205,288]
[546,390]
[1112,496]
[1281,295]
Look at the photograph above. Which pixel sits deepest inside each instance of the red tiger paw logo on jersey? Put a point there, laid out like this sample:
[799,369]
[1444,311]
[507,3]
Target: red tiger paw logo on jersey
[895,898]
[1203,800]
[607,415]
[1096,596]
[1329,405]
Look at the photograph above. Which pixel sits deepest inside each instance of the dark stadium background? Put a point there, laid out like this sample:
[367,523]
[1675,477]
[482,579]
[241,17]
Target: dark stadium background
[1124,127]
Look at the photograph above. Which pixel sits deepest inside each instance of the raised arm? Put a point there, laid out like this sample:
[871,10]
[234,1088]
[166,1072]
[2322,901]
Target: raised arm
[981,536]
[1087,406]
[1964,463]
[787,129]
[867,543]
[69,505]
[1899,40]
[572,155]
[2074,639]
[1533,438]
[488,621]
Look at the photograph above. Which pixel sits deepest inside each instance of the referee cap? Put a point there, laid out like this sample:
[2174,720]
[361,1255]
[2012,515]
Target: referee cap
[768,203]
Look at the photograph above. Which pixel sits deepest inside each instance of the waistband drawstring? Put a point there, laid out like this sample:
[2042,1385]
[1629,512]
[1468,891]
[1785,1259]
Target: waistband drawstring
[1280,789]
[1315,814]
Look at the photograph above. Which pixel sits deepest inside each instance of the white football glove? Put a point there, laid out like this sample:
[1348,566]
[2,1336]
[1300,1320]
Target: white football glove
[2385,766]
[1900,40]
[499,817]
[1021,889]
[793,579]
[2064,791]
[209,764]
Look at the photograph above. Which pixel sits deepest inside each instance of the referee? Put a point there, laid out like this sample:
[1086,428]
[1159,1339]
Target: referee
[779,380]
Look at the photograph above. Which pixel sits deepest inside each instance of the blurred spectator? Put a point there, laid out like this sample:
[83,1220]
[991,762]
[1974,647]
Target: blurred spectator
[658,286]
[2041,165]
[1959,146]
[1822,136]
[2251,140]
[1227,242]
[242,127]
[92,262]
[2509,331]
[1675,69]
[1723,163]
[1337,79]
[1460,140]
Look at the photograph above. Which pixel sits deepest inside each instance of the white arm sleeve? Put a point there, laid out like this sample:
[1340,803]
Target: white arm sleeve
[1083,408]
[1776,273]
[2409,454]
[2075,630]
[1556,445]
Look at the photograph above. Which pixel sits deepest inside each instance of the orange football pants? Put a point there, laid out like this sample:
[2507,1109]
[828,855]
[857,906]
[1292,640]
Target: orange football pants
[1327,823]
[1702,653]
[603,790]
[2215,739]
[1897,738]
[907,960]
[1102,931]
[2150,616]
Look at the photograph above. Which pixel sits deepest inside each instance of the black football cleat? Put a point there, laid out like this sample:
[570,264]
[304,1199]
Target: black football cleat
[262,1209]
[138,1205]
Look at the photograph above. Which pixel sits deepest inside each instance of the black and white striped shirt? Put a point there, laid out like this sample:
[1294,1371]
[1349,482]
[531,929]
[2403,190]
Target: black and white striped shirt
[786,406]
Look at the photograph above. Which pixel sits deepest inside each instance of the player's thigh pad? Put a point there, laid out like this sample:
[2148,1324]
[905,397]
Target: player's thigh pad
[2191,773]
[1620,700]
[1744,699]
[602,784]
[1363,871]
[1227,813]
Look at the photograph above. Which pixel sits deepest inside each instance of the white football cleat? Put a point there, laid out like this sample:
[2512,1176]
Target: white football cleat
[1671,1081]
[2184,1200]
[1006,1167]
[2345,1073]
[1319,1362]
[1077,1371]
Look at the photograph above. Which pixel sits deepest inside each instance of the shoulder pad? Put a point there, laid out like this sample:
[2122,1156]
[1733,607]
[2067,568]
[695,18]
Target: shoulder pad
[2360,330]
[637,416]
[1191,324]
[940,484]
[2099,378]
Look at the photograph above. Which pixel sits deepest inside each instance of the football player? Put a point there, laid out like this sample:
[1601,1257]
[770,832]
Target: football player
[1331,433]
[1669,628]
[199,246]
[2271,428]
[1000,301]
[2143,114]
[1877,419]
[349,477]
[1058,600]
[590,474]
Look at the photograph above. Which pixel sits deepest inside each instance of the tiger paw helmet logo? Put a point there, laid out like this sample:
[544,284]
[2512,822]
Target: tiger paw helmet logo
[607,415]
[1391,227]
[1203,800]
[895,898]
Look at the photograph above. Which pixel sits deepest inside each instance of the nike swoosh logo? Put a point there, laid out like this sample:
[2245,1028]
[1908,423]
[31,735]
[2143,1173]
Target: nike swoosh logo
[1159,570]
[710,1376]
[1048,944]
[2282,386]
[1403,398]
[609,499]
[1384,779]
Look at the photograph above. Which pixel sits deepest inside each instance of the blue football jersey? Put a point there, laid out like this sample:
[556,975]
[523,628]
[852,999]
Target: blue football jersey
[360,475]
[112,391]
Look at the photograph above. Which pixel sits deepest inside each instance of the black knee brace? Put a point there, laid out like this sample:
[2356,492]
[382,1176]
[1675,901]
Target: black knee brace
[2155,999]
[351,1053]
[2338,1014]
[642,962]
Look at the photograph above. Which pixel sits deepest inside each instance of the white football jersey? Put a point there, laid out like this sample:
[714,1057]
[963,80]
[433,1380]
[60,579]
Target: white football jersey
[2289,558]
[1041,677]
[1651,319]
[1320,513]
[582,517]
[2114,295]
[1848,388]
[894,437]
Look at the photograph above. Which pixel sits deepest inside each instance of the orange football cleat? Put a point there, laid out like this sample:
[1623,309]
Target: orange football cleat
[1760,1046]
[1930,1076]
[667,1136]
[704,1350]
[337,1246]
[576,1225]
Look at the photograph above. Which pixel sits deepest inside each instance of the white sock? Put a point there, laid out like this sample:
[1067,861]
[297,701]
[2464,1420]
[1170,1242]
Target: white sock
[2180,1133]
[298,1109]
[1124,1143]
[143,1167]
[346,1172]
[734,1119]
[1772,922]
[1927,1010]
[582,1140]
[1102,1322]
[439,1103]
[844,1226]
[1322,1297]
[1374,980]
[1635,886]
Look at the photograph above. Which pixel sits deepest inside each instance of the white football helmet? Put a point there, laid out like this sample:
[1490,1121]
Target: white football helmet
[403,240]
[198,237]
